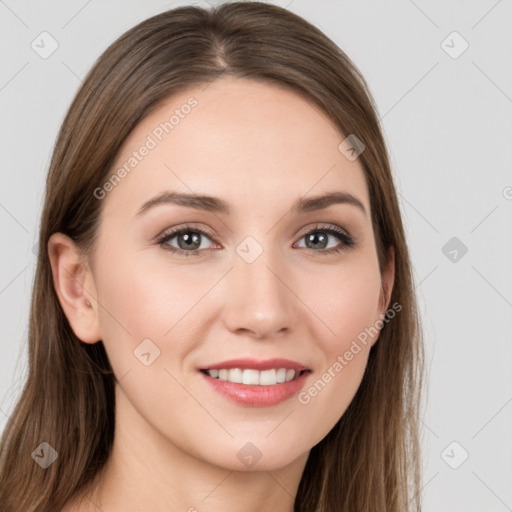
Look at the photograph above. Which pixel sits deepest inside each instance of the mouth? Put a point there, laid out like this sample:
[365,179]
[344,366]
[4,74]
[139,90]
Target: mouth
[256,383]
[254,377]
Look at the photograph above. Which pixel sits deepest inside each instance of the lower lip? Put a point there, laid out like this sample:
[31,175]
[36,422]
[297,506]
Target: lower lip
[257,396]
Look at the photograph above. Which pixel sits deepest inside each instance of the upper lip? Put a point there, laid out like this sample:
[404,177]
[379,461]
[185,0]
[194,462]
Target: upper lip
[267,364]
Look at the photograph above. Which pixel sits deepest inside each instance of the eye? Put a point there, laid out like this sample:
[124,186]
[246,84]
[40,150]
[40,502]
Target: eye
[188,240]
[319,238]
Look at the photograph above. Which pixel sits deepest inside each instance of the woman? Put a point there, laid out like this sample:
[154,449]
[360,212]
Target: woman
[224,316]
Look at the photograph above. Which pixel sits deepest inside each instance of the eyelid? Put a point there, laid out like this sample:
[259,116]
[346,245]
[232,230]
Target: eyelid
[174,231]
[319,226]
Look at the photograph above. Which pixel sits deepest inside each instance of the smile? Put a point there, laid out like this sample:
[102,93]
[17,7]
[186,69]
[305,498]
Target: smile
[252,383]
[254,377]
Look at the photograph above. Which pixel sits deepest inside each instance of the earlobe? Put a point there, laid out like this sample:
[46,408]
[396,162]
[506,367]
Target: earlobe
[74,286]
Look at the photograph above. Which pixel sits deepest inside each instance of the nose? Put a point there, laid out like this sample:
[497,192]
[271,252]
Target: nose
[259,298]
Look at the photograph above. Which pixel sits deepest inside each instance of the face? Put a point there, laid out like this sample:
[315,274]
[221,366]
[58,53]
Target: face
[180,287]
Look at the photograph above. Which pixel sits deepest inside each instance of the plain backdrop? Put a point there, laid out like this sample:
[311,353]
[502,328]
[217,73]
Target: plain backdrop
[441,75]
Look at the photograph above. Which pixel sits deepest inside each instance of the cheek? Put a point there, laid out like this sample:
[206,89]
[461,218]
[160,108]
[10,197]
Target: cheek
[348,301]
[349,308]
[139,303]
[143,320]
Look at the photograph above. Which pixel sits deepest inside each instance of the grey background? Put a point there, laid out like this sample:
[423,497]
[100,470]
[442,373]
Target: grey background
[448,125]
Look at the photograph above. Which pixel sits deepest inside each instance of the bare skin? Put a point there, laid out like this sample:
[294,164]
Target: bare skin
[260,148]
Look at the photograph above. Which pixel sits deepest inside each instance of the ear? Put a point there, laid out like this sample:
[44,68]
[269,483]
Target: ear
[74,286]
[388,280]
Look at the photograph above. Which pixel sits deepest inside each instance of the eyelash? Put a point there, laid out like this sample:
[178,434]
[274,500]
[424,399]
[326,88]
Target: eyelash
[348,241]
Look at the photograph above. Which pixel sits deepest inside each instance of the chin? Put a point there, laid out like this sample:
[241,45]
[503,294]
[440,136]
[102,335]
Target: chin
[256,453]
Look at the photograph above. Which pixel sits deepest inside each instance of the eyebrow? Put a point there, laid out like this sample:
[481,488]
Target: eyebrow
[218,205]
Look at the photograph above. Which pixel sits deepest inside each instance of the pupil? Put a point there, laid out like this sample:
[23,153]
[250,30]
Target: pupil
[315,238]
[191,240]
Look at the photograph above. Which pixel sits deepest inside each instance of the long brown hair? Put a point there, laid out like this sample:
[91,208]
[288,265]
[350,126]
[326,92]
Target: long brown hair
[370,460]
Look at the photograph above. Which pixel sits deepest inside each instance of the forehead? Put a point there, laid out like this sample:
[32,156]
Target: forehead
[244,140]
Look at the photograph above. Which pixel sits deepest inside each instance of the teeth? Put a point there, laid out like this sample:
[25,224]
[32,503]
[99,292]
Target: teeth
[290,374]
[268,378]
[235,375]
[249,376]
[281,375]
